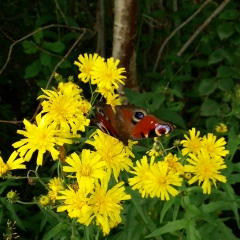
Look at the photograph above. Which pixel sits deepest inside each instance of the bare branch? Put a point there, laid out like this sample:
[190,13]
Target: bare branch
[31,34]
[50,78]
[207,21]
[61,12]
[175,31]
[65,56]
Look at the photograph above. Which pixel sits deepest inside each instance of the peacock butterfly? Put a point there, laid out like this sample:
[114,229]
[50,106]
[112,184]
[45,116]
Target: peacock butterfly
[129,122]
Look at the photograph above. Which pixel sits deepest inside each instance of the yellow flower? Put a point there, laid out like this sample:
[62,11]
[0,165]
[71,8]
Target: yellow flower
[40,136]
[113,100]
[161,180]
[221,128]
[173,163]
[85,65]
[88,167]
[55,185]
[107,205]
[205,169]
[64,107]
[69,88]
[112,151]
[142,172]
[213,146]
[76,204]
[129,147]
[106,74]
[192,144]
[11,164]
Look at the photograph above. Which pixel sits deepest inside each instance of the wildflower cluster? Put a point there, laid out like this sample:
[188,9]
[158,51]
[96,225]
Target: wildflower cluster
[88,186]
[205,157]
[156,179]
[105,74]
[204,160]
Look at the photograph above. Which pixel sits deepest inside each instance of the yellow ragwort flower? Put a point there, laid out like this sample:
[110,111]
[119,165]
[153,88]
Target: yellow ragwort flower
[85,65]
[76,204]
[107,205]
[106,74]
[113,100]
[64,107]
[221,128]
[213,146]
[41,137]
[11,164]
[88,167]
[55,185]
[205,169]
[173,163]
[142,172]
[112,151]
[161,181]
[193,143]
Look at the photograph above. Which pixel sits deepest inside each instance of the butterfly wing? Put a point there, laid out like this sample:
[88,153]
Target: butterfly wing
[105,119]
[129,122]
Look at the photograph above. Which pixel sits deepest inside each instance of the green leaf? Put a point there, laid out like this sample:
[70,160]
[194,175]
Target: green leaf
[226,232]
[170,227]
[233,142]
[225,84]
[216,56]
[13,213]
[235,111]
[230,14]
[214,206]
[224,72]
[237,27]
[168,115]
[56,230]
[33,69]
[135,199]
[234,205]
[237,51]
[225,30]
[192,232]
[45,58]
[166,206]
[29,47]
[55,47]
[210,108]
[48,215]
[65,64]
[207,86]
[235,39]
[38,37]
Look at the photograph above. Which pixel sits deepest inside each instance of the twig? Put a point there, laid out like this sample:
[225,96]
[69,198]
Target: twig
[175,31]
[56,67]
[207,21]
[29,35]
[61,12]
[50,78]
[65,56]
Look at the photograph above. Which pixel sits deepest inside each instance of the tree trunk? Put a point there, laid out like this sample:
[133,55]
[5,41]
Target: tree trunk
[124,35]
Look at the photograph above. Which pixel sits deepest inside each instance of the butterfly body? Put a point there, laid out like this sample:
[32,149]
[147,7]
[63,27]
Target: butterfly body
[129,122]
